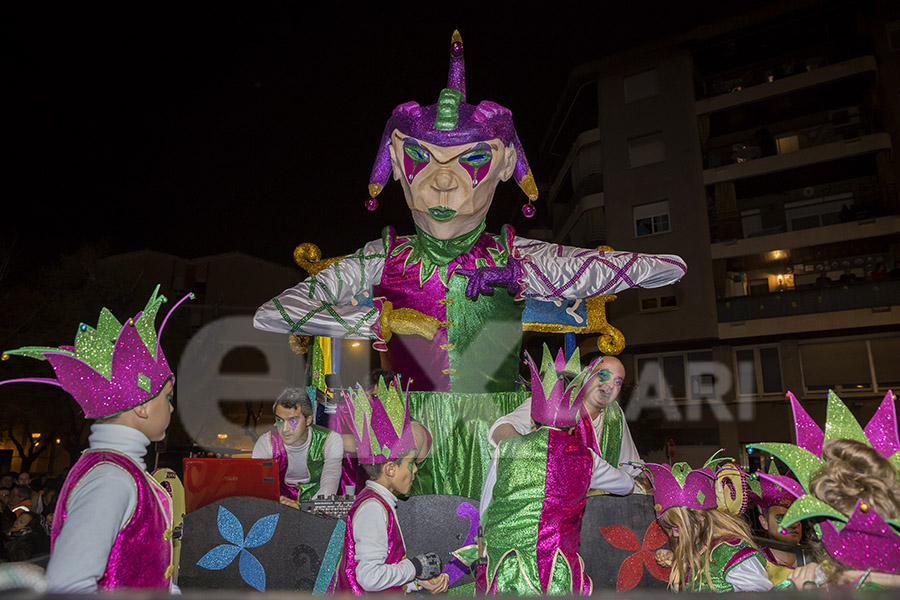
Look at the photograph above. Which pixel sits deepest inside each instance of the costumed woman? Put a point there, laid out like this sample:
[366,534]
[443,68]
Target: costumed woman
[112,528]
[848,486]
[446,303]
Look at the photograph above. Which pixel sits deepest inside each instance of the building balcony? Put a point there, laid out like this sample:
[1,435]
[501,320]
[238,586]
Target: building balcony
[748,162]
[770,86]
[873,294]
[839,211]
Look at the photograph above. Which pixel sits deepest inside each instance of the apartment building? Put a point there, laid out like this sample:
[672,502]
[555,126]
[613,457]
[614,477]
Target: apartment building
[762,150]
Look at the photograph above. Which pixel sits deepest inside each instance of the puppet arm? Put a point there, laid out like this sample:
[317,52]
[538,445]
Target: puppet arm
[336,302]
[553,272]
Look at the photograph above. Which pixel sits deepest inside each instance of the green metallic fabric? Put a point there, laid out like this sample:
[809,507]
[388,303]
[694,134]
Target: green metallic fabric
[610,441]
[315,461]
[486,337]
[441,252]
[514,514]
[721,554]
[460,451]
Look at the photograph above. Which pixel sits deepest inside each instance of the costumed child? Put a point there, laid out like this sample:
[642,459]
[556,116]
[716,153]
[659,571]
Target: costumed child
[773,501]
[374,558]
[112,528]
[536,488]
[848,485]
[712,548]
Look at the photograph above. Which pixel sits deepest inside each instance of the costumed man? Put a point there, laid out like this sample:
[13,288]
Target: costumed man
[602,427]
[308,456]
[373,558]
[773,502]
[536,488]
[112,528]
[446,303]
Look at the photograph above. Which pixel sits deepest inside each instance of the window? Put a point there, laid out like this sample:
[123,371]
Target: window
[758,371]
[851,365]
[642,85]
[657,299]
[650,219]
[646,150]
[677,376]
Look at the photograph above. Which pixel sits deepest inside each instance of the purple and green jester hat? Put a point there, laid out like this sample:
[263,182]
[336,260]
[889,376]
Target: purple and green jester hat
[451,122]
[111,368]
[705,488]
[553,402]
[864,540]
[765,493]
[381,423]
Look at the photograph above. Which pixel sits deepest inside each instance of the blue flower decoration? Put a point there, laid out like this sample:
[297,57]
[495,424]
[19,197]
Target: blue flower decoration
[223,555]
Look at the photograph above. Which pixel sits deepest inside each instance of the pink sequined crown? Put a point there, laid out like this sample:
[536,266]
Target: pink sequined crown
[864,540]
[554,401]
[765,492]
[381,423]
[679,485]
[112,368]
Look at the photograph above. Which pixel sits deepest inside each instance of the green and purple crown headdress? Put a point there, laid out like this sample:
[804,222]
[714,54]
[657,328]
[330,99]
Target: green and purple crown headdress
[765,492]
[381,423]
[554,401]
[700,489]
[450,122]
[111,368]
[864,540]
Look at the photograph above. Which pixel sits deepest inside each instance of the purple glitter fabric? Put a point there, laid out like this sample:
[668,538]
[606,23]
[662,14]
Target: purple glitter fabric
[865,542]
[881,430]
[569,466]
[279,454]
[809,435]
[141,554]
[346,569]
[698,491]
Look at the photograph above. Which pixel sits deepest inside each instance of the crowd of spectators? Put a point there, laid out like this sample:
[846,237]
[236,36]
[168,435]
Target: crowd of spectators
[26,515]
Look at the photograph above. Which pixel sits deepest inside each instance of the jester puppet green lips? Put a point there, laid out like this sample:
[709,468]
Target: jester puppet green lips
[441,213]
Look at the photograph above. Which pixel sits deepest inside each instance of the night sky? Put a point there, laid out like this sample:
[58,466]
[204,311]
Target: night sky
[203,139]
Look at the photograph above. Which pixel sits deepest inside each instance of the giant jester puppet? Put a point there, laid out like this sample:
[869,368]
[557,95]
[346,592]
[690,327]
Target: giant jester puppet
[445,304]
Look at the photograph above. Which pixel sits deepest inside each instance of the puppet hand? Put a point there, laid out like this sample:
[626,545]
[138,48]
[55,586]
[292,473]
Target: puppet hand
[402,321]
[483,280]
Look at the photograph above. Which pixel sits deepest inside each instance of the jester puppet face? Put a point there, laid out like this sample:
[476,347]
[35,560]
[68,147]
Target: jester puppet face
[450,156]
[449,188]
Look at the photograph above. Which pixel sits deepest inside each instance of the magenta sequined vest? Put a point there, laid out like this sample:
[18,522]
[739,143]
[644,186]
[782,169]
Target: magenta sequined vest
[142,552]
[489,326]
[346,570]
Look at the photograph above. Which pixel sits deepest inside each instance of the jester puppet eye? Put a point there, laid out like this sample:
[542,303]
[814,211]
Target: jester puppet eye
[477,162]
[415,158]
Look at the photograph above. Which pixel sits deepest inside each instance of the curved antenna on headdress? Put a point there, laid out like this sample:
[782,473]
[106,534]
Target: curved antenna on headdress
[166,319]
[456,78]
[46,380]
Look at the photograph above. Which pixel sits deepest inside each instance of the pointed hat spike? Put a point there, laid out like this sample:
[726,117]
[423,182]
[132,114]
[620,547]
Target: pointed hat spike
[456,78]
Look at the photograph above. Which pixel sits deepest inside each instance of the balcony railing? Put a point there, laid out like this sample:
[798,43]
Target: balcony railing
[814,206]
[876,294]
